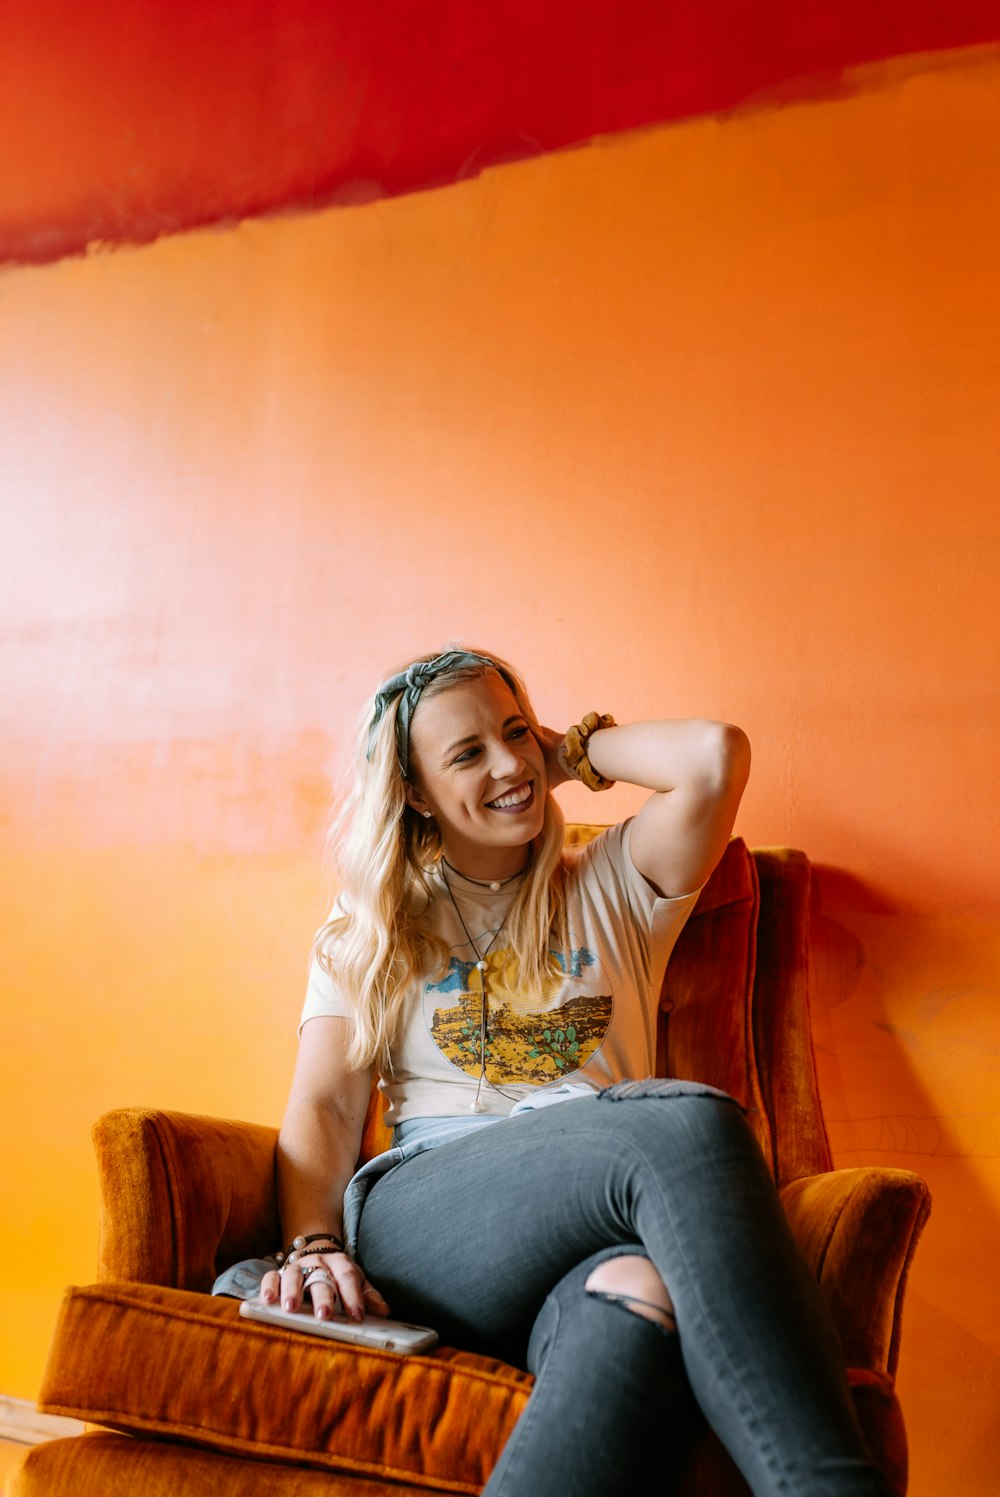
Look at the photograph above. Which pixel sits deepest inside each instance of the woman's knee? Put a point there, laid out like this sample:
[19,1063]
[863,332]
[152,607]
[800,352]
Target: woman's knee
[634,1283]
[614,1281]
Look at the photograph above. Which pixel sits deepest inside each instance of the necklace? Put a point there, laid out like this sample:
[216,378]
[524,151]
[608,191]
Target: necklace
[476,1105]
[493,884]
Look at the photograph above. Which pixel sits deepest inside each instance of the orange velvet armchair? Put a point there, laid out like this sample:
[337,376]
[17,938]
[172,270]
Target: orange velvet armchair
[193,1399]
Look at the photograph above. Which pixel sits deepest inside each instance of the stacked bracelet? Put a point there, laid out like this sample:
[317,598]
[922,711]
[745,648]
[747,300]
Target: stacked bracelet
[572,753]
[302,1247]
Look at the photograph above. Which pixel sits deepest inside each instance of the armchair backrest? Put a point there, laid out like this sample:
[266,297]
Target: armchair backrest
[734,1010]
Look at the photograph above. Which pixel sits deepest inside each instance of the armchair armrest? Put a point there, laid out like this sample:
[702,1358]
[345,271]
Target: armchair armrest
[858,1229]
[182,1196]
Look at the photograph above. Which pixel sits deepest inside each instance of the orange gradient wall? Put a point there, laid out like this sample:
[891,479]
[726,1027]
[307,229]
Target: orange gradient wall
[700,420]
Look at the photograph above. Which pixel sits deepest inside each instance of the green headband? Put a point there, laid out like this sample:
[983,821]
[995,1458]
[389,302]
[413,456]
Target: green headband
[409,685]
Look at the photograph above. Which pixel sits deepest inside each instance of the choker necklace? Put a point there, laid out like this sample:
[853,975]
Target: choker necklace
[476,1105]
[493,884]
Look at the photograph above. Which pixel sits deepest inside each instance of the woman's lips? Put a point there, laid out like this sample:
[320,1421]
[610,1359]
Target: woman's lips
[523,799]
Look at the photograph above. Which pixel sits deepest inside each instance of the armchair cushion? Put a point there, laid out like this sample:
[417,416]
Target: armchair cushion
[102,1464]
[123,1356]
[166,1362]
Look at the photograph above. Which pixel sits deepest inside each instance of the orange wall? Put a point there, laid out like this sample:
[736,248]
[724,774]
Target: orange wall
[697,420]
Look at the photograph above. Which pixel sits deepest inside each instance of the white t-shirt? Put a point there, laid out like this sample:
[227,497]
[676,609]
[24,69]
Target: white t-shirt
[594,1025]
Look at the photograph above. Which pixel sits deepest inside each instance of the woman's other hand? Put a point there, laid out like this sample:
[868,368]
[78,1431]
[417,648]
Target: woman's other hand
[317,1152]
[332,1281]
[550,742]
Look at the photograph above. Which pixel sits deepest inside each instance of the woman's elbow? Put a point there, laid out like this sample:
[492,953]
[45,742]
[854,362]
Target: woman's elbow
[727,756]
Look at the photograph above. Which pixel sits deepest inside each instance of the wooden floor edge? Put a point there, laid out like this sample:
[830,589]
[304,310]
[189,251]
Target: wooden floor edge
[20,1421]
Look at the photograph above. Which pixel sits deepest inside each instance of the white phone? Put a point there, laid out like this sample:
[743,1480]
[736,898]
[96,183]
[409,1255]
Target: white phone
[386,1335]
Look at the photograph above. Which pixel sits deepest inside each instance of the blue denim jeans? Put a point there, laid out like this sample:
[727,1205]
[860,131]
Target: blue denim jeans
[490,1238]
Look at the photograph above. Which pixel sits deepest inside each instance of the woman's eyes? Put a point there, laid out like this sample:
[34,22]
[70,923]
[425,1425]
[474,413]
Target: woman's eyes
[467,756]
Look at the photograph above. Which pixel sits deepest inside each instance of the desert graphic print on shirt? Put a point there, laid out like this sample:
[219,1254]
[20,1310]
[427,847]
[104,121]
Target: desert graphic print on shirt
[548,1043]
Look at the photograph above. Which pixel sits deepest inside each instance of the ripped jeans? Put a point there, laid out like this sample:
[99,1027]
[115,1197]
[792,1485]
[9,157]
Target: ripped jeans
[491,1238]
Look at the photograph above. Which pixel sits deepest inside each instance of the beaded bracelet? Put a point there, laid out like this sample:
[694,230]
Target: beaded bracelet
[304,1246]
[572,752]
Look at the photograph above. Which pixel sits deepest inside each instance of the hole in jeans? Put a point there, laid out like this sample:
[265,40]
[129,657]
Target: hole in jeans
[633,1283]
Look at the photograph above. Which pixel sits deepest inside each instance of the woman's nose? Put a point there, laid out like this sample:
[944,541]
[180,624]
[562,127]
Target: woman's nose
[506,760]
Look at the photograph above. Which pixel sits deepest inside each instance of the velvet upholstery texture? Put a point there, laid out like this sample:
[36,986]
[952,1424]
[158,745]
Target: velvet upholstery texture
[202,1400]
[434,1419]
[100,1464]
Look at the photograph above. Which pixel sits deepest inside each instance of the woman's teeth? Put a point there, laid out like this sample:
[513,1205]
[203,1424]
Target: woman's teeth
[515,798]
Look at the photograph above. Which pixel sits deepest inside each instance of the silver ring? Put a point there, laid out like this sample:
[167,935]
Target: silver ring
[303,1268]
[319,1276]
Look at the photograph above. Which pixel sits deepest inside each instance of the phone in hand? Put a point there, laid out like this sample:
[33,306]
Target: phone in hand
[385,1335]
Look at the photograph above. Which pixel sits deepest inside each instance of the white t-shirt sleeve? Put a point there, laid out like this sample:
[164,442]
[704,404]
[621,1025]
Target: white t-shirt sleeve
[322,998]
[656,921]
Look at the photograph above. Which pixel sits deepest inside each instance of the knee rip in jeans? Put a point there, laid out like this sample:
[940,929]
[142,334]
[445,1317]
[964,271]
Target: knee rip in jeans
[632,1282]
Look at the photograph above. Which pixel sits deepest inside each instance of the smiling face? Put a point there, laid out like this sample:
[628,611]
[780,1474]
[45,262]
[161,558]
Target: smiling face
[478,768]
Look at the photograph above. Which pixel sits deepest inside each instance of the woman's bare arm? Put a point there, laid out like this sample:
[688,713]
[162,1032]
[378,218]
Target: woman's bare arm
[698,770]
[317,1153]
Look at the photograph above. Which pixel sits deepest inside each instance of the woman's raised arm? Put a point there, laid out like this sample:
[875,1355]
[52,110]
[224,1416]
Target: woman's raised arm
[698,769]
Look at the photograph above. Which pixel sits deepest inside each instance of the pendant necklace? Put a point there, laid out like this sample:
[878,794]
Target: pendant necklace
[476,1105]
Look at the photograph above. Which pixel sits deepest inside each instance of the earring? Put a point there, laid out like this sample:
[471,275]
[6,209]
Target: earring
[426,813]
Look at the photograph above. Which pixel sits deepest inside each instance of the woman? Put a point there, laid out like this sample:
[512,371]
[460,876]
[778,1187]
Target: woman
[623,1240]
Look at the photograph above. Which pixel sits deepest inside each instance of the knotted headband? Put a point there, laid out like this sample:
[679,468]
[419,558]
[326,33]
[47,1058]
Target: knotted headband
[408,686]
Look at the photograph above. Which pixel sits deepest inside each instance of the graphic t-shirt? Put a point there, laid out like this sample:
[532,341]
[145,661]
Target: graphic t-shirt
[595,1023]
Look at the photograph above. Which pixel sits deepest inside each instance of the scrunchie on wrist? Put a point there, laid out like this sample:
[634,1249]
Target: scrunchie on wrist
[572,752]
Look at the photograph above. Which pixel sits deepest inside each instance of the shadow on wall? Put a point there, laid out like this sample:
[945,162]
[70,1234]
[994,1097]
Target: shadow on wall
[904,1019]
[905,1010]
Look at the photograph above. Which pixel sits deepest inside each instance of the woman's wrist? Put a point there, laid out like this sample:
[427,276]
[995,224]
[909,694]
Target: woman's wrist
[574,752]
[304,1245]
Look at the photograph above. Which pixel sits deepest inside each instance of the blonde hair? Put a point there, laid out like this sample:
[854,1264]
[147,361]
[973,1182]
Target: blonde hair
[377,938]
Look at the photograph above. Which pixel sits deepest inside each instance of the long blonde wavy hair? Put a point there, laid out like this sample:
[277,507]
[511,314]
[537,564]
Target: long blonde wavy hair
[377,938]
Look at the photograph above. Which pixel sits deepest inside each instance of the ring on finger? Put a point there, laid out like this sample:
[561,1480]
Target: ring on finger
[319,1276]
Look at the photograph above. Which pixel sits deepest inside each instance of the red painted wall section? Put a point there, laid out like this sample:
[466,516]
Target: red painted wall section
[122,121]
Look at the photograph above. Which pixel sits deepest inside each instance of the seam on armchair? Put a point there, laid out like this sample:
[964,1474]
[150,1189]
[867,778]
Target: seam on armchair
[920,1215]
[146,1156]
[200,1435]
[755,1091]
[176,1216]
[706,1007]
[833,1225]
[755,1104]
[783,1031]
[173,1177]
